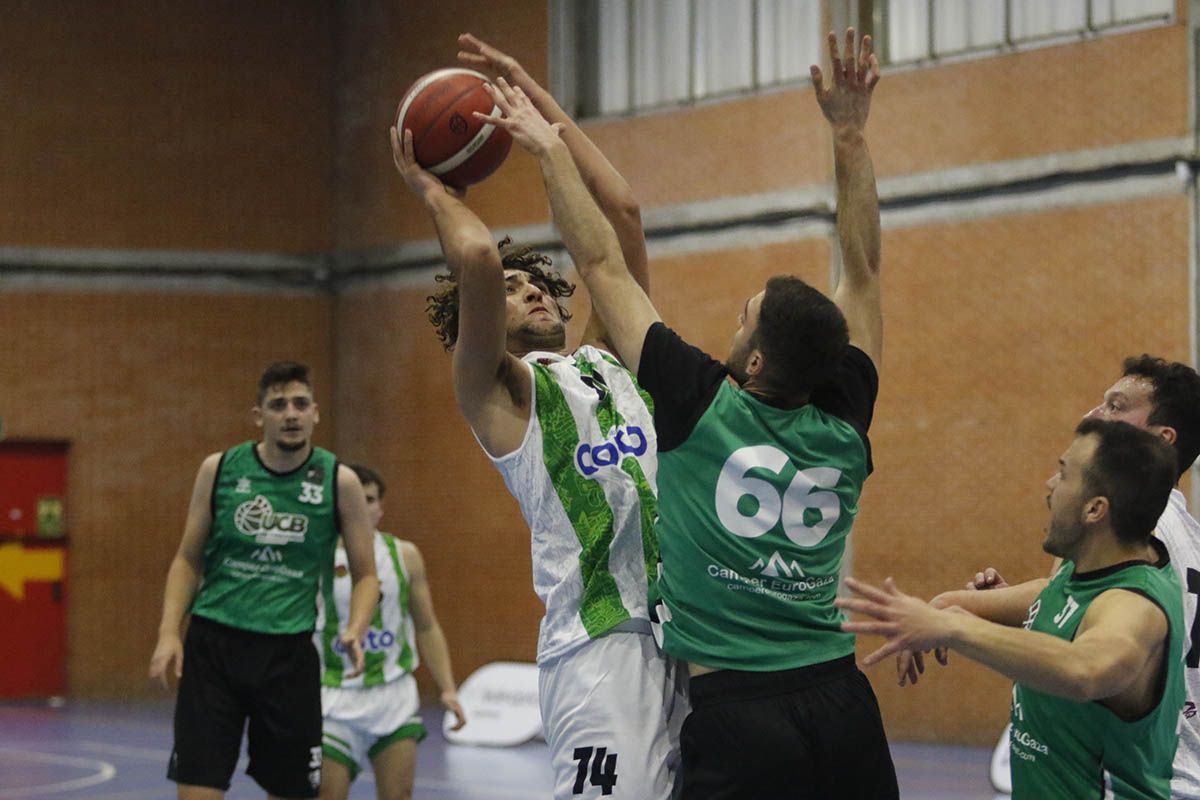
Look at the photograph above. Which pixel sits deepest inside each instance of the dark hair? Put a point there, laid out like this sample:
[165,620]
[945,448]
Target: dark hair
[801,333]
[367,475]
[1176,401]
[442,306]
[1135,470]
[281,373]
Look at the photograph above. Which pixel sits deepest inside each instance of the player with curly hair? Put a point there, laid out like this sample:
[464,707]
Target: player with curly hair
[571,432]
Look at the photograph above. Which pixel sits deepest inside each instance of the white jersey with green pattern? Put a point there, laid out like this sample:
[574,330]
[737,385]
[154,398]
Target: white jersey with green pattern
[389,647]
[584,476]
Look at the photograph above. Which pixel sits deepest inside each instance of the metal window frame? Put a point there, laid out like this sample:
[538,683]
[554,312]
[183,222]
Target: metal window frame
[1011,42]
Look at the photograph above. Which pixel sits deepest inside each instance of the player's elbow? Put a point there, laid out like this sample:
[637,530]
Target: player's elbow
[626,213]
[470,250]
[1092,681]
[604,262]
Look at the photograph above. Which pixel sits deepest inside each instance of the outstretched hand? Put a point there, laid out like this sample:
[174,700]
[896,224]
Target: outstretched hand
[481,55]
[907,622]
[520,118]
[421,181]
[847,102]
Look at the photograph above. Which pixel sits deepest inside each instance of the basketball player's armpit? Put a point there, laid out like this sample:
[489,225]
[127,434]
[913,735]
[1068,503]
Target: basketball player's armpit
[513,375]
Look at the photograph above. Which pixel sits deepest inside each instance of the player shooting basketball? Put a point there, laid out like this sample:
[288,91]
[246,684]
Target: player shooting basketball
[572,435]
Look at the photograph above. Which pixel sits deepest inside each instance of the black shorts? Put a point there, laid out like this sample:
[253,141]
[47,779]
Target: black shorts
[230,675]
[813,732]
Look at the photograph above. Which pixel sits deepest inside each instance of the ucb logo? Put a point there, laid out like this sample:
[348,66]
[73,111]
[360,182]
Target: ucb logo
[628,441]
[257,518]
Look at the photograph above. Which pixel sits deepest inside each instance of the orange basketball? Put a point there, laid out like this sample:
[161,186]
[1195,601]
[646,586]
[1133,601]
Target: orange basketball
[448,139]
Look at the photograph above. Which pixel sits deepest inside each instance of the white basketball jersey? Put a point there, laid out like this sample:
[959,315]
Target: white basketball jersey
[1181,533]
[389,646]
[584,477]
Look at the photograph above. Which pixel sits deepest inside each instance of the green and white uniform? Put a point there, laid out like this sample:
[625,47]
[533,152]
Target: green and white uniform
[366,713]
[1067,749]
[584,477]
[390,645]
[271,543]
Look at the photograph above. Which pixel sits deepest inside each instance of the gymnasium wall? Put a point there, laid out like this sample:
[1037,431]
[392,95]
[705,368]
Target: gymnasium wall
[167,124]
[153,126]
[144,385]
[259,128]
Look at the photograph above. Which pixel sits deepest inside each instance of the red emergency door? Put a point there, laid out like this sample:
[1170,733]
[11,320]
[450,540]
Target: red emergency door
[33,546]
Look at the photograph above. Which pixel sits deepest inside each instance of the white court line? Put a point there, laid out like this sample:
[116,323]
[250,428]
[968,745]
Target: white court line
[143,753]
[104,772]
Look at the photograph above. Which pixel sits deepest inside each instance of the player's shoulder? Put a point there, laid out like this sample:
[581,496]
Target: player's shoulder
[212,462]
[1177,527]
[406,547]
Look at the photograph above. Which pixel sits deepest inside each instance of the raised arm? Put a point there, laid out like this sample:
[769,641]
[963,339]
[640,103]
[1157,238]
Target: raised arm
[589,238]
[607,187]
[359,537]
[431,641]
[487,379]
[184,574]
[846,105]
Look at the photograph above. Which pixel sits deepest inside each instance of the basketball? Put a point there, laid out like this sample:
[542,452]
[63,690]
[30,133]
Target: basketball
[448,139]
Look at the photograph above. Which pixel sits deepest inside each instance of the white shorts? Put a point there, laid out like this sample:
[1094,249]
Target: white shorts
[358,723]
[612,710]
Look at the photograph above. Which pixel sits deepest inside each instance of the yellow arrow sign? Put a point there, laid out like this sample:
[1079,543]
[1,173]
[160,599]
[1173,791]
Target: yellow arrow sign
[19,565]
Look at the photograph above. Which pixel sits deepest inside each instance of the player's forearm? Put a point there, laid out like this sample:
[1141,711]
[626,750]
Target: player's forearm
[1037,660]
[364,599]
[607,187]
[585,231]
[857,205]
[466,241]
[183,580]
[1006,606]
[431,644]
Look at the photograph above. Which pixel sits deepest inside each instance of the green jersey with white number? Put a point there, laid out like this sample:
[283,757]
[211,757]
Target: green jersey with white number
[271,542]
[584,476]
[755,503]
[1063,748]
[389,645]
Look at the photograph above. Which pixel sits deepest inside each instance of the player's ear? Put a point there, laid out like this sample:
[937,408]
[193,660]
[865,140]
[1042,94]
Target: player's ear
[256,413]
[756,363]
[316,413]
[1166,433]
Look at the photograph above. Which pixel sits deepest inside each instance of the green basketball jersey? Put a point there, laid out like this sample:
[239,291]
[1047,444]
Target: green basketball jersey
[752,531]
[271,542]
[1067,749]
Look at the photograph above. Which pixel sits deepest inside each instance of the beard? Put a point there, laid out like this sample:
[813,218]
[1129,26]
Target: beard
[1059,537]
[292,447]
[548,336]
[736,364]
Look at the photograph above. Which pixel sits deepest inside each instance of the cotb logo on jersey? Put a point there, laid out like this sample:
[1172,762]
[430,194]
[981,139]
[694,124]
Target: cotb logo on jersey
[256,518]
[627,441]
[374,641]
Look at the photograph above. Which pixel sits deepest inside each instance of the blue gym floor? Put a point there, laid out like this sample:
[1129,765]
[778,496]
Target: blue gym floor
[119,752]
